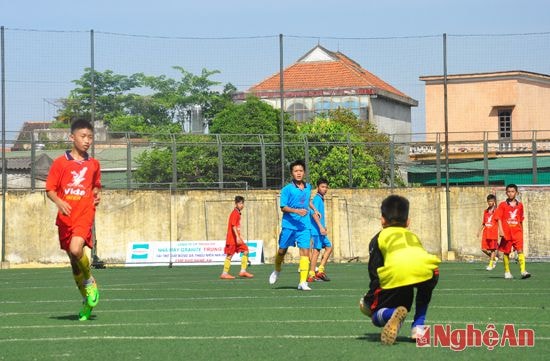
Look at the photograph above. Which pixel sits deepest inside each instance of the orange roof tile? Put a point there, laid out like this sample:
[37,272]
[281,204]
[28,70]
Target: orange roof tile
[339,73]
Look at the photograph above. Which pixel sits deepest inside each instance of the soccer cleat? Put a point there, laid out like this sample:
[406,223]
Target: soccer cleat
[310,279]
[245,274]
[508,276]
[525,275]
[92,294]
[226,276]
[273,277]
[417,331]
[85,312]
[391,329]
[490,268]
[322,276]
[304,287]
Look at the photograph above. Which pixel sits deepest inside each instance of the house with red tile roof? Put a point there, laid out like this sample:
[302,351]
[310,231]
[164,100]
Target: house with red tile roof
[322,80]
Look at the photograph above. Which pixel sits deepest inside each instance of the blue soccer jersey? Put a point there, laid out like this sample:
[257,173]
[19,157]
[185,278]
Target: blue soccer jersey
[319,204]
[294,197]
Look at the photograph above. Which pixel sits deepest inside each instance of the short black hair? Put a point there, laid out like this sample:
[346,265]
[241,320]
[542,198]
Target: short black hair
[395,210]
[297,162]
[322,181]
[491,197]
[239,199]
[512,185]
[81,124]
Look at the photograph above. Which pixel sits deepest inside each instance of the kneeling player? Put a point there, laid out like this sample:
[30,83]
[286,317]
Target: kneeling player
[397,265]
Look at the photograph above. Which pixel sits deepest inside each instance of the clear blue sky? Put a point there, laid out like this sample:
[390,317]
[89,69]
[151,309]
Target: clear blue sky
[35,76]
[339,18]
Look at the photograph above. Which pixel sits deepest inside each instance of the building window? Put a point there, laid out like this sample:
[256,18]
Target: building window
[322,106]
[505,129]
[299,112]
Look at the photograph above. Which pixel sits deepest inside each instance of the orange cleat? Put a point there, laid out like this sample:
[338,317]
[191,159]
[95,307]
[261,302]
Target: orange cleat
[245,274]
[226,276]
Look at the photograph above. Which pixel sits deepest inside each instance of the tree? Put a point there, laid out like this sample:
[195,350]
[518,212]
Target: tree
[330,139]
[239,129]
[176,98]
[111,93]
[329,143]
[243,129]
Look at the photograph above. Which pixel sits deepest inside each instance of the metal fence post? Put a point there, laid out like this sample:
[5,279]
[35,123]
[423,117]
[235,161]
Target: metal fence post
[485,159]
[438,161]
[33,162]
[264,168]
[534,156]
[306,156]
[128,162]
[282,112]
[350,162]
[220,161]
[174,162]
[4,175]
[392,162]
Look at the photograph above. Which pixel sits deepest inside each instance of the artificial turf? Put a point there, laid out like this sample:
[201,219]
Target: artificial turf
[188,313]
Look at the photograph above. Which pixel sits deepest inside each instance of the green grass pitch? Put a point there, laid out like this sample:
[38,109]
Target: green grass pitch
[187,313]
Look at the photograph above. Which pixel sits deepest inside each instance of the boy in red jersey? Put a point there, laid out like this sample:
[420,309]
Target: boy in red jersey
[73,184]
[489,231]
[510,225]
[234,242]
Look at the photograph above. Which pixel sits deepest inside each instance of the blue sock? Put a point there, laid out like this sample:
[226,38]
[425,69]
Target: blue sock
[420,316]
[382,316]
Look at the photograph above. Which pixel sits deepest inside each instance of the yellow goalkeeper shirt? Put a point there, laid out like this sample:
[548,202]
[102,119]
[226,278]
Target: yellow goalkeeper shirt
[405,261]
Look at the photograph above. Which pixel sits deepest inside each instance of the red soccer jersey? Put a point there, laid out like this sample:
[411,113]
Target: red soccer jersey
[511,218]
[73,181]
[234,221]
[490,229]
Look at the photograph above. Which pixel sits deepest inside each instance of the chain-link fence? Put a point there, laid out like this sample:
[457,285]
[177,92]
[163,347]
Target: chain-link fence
[216,161]
[41,68]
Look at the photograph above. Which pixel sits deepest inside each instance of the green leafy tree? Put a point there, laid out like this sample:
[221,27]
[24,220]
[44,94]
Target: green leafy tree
[111,92]
[242,128]
[330,138]
[329,143]
[175,98]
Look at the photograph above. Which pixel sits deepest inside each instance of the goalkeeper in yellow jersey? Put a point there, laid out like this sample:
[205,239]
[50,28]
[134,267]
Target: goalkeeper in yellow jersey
[397,265]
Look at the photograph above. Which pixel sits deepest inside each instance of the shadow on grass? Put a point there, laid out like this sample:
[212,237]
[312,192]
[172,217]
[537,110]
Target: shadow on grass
[285,288]
[70,317]
[375,337]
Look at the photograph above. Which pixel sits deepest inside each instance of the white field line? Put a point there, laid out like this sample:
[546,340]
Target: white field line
[190,338]
[88,325]
[321,294]
[247,308]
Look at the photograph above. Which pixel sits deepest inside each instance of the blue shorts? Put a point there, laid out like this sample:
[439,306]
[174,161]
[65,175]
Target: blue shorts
[292,237]
[320,241]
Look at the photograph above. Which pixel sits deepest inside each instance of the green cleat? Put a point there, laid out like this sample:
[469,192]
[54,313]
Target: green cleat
[85,312]
[92,295]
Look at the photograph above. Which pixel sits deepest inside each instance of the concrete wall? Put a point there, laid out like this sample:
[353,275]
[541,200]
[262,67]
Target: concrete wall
[353,218]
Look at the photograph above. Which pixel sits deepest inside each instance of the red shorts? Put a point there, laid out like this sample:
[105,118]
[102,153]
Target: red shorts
[489,244]
[506,245]
[67,233]
[232,248]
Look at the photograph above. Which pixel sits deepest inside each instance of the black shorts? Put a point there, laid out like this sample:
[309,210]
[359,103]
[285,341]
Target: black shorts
[401,296]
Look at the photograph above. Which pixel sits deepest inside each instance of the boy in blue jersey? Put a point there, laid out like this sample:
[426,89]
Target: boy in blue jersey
[295,203]
[319,234]
[397,265]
